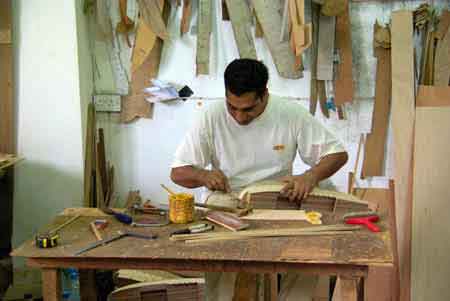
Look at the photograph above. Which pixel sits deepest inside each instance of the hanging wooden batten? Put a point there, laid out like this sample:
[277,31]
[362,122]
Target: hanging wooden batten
[325,52]
[442,58]
[269,16]
[203,36]
[186,17]
[241,21]
[343,84]
[402,61]
[313,96]
[374,149]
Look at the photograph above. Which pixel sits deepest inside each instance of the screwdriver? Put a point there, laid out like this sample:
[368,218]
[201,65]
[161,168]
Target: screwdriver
[121,217]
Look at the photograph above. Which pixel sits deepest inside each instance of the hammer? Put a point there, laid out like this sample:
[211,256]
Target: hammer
[367,218]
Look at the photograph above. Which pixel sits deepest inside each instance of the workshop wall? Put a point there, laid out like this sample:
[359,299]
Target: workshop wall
[49,111]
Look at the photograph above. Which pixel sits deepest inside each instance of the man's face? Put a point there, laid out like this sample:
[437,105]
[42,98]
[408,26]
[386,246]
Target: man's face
[246,107]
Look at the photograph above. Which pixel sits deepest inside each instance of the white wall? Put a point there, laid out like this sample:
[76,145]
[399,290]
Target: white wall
[49,129]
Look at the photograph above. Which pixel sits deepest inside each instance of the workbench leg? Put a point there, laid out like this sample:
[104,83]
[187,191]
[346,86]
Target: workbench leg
[51,284]
[347,289]
[271,287]
[88,289]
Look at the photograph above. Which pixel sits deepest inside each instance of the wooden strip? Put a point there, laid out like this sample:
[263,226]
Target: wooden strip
[151,13]
[433,96]
[268,14]
[241,22]
[344,75]
[325,52]
[315,36]
[402,115]
[89,161]
[7,144]
[145,40]
[95,231]
[442,61]
[99,189]
[444,23]
[258,28]
[5,22]
[430,205]
[203,36]
[186,17]
[374,149]
[51,284]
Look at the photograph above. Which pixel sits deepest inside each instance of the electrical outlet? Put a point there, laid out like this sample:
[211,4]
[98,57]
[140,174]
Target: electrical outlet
[107,103]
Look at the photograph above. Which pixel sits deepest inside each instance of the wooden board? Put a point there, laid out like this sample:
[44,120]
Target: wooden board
[375,145]
[325,52]
[5,22]
[203,36]
[7,101]
[269,16]
[403,127]
[151,12]
[315,37]
[433,96]
[431,217]
[343,84]
[89,157]
[241,21]
[442,61]
[186,17]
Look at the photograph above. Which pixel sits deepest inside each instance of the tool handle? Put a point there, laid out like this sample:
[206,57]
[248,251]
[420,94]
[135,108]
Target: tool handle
[123,218]
[372,227]
[182,231]
[139,235]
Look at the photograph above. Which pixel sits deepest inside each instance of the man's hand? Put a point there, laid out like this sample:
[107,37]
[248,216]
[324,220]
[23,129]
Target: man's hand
[298,187]
[214,180]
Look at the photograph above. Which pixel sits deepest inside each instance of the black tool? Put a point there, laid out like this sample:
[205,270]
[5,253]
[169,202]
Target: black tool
[199,228]
[121,234]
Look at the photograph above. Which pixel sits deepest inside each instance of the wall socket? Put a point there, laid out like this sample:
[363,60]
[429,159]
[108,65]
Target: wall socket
[107,103]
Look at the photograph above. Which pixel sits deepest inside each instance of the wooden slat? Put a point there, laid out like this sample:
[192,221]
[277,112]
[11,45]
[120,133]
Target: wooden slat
[322,98]
[241,21]
[344,75]
[5,22]
[186,17]
[245,284]
[89,161]
[376,141]
[403,128]
[433,96]
[145,40]
[346,289]
[431,217]
[7,101]
[270,287]
[325,52]
[315,36]
[203,36]
[269,16]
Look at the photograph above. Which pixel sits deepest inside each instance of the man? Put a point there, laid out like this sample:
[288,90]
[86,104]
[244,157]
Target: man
[254,136]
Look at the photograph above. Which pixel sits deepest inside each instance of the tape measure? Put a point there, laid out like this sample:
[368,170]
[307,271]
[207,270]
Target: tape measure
[47,240]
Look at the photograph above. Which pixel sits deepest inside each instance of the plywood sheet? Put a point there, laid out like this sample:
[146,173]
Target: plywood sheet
[431,214]
[403,129]
[374,149]
[269,16]
[241,21]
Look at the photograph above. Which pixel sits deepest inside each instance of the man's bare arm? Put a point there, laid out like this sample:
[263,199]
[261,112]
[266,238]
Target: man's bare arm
[192,177]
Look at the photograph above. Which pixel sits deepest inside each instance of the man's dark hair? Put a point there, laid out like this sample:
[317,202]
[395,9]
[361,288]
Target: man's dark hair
[246,75]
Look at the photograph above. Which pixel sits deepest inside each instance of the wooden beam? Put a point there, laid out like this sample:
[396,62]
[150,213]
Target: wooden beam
[241,21]
[325,52]
[402,61]
[89,155]
[269,16]
[51,284]
[344,75]
[374,149]
[203,36]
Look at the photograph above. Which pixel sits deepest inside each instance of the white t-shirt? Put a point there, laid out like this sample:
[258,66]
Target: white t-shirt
[262,150]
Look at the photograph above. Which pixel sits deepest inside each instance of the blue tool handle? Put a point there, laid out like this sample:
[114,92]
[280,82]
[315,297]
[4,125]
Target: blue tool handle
[123,218]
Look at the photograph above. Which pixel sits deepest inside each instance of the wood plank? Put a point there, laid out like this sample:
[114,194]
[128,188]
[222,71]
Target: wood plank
[203,36]
[325,52]
[145,40]
[402,115]
[88,289]
[151,13]
[322,98]
[7,144]
[270,287]
[269,16]
[433,96]
[430,205]
[89,161]
[315,37]
[344,75]
[51,284]
[374,149]
[5,22]
[186,17]
[241,22]
[245,284]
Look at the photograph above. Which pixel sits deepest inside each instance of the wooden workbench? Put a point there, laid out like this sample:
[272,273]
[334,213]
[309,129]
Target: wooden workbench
[347,256]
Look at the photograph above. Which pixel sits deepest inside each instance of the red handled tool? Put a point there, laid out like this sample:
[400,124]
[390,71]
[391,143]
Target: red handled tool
[363,218]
